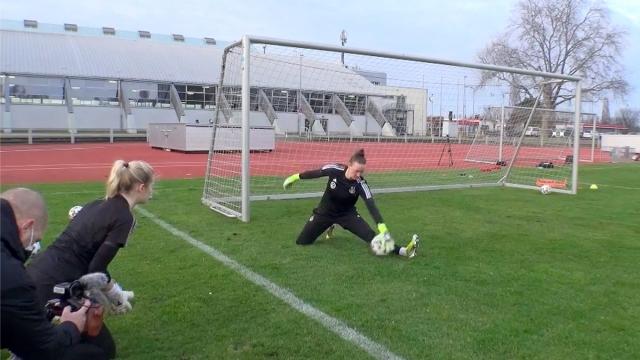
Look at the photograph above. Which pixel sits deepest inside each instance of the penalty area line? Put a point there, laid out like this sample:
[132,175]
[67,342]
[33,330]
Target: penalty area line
[337,326]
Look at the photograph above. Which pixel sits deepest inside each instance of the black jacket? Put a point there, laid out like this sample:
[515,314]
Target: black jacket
[341,194]
[25,329]
[88,244]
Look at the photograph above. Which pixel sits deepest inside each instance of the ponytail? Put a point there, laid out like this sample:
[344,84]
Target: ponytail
[125,175]
[358,157]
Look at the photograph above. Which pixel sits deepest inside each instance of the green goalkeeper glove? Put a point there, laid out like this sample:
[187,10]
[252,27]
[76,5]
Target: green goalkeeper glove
[290,180]
[382,228]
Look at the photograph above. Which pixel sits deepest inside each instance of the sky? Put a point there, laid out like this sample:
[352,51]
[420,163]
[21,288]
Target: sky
[451,29]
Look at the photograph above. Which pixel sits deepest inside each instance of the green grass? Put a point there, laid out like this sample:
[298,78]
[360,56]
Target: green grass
[502,273]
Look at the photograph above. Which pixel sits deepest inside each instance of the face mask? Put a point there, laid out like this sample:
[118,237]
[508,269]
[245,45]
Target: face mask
[33,247]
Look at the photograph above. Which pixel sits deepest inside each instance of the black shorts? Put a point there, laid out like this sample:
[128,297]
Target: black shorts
[318,223]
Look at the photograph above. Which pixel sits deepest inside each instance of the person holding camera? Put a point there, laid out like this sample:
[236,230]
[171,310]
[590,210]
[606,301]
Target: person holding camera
[93,238]
[26,331]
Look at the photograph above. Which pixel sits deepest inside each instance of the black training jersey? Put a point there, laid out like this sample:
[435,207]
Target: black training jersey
[341,194]
[88,244]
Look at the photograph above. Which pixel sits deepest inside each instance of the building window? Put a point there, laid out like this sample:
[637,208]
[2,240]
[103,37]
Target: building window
[31,24]
[196,96]
[36,90]
[94,92]
[142,94]
[71,27]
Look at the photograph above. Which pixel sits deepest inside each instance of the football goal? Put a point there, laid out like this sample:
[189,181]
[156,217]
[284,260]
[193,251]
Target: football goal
[284,107]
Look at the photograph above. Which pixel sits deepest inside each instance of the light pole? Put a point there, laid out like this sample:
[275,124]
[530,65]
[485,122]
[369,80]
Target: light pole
[464,97]
[299,97]
[473,100]
[440,107]
[458,99]
[343,39]
[432,116]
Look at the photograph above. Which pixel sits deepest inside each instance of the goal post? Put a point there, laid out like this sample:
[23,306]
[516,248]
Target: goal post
[283,107]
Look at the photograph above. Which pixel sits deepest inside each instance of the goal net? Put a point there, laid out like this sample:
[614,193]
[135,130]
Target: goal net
[551,130]
[285,107]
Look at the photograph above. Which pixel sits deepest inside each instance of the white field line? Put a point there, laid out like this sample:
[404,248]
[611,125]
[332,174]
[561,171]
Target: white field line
[337,326]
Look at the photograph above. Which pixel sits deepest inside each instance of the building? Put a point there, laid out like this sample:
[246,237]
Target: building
[70,77]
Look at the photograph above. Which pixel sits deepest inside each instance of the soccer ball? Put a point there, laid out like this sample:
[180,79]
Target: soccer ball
[382,244]
[74,211]
[545,189]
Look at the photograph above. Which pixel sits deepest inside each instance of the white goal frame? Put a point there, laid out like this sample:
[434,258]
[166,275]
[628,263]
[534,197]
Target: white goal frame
[248,41]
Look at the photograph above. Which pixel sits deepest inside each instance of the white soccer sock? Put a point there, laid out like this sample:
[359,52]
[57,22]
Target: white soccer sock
[403,251]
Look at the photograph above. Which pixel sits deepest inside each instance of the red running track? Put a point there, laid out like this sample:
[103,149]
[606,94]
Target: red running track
[46,163]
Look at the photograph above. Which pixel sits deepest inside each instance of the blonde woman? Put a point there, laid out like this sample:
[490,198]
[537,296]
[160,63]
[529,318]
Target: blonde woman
[94,236]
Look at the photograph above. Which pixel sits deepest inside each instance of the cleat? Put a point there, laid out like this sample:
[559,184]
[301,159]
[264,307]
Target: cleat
[329,234]
[412,246]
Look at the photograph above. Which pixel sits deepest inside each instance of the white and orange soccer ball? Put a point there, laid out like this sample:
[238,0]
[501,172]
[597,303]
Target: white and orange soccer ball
[545,189]
[382,244]
[74,211]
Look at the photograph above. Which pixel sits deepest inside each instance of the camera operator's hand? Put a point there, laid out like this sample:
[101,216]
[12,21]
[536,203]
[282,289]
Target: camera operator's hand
[78,318]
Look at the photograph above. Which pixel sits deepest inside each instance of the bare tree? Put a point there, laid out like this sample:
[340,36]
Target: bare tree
[572,37]
[629,118]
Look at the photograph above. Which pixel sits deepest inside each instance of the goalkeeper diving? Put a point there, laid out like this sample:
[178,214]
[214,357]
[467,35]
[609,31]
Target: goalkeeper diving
[344,185]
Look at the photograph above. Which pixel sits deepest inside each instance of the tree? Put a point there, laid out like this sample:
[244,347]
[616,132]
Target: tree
[629,118]
[572,37]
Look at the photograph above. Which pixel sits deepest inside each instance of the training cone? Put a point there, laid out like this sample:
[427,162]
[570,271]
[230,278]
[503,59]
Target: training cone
[593,187]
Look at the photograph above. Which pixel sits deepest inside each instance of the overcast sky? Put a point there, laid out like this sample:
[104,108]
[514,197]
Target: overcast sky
[453,29]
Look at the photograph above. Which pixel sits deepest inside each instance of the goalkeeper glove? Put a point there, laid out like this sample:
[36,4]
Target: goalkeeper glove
[290,180]
[382,228]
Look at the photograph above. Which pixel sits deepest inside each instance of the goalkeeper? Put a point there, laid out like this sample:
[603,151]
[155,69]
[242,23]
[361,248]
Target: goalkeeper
[344,186]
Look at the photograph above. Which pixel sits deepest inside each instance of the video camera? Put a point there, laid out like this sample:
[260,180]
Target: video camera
[69,294]
[75,293]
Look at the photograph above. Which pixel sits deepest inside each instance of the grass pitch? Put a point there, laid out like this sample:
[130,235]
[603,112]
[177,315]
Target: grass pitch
[502,273]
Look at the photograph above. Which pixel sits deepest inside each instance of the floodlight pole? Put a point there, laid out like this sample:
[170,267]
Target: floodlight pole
[464,97]
[440,107]
[300,125]
[343,39]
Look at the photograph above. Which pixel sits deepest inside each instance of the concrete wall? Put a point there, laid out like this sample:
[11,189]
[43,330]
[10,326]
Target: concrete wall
[91,117]
[39,116]
[95,117]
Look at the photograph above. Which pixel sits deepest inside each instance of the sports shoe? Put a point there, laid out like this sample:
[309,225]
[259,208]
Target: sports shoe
[412,246]
[329,233]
